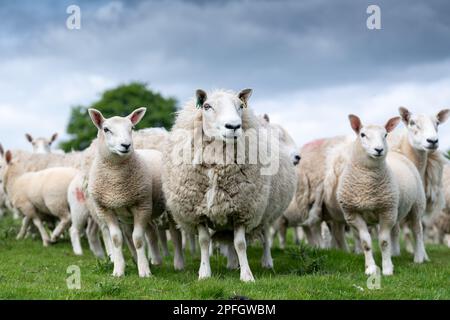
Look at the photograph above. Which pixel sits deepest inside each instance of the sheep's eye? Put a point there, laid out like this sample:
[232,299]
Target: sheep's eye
[106,130]
[206,106]
[363,135]
[385,135]
[242,106]
[412,123]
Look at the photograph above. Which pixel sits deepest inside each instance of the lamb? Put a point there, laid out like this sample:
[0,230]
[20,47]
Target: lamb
[124,186]
[380,187]
[209,185]
[37,194]
[41,145]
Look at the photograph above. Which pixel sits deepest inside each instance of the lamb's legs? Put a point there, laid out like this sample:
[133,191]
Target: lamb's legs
[74,231]
[107,240]
[298,235]
[23,229]
[93,238]
[266,261]
[241,249]
[140,223]
[152,237]
[62,225]
[395,233]
[192,244]
[175,234]
[117,242]
[366,241]
[384,239]
[313,234]
[44,235]
[357,242]
[420,255]
[204,240]
[163,239]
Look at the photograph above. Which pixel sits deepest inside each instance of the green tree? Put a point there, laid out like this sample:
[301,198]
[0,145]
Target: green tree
[119,101]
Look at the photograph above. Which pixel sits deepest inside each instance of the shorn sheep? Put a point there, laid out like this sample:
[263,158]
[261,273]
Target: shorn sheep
[123,186]
[39,194]
[41,144]
[208,184]
[380,187]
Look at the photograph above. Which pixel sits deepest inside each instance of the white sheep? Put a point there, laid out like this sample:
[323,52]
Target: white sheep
[38,194]
[420,142]
[122,183]
[209,186]
[377,187]
[41,144]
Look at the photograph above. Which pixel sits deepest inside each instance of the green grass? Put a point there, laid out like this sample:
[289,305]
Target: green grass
[30,271]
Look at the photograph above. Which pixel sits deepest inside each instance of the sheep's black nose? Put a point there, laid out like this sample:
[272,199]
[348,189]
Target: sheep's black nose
[126,146]
[379,151]
[433,141]
[297,159]
[232,127]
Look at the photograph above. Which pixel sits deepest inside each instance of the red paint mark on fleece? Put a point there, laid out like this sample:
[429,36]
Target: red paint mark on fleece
[80,195]
[313,144]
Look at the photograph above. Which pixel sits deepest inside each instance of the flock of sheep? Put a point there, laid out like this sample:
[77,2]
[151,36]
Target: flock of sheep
[211,180]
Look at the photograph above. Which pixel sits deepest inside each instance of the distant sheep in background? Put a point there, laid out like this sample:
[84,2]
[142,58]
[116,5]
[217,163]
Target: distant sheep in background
[41,145]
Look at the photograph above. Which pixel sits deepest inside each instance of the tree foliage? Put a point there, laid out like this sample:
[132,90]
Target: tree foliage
[119,101]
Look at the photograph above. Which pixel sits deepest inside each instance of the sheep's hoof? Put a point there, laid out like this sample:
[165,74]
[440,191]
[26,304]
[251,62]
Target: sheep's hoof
[178,265]
[204,273]
[247,276]
[145,274]
[267,263]
[388,271]
[371,270]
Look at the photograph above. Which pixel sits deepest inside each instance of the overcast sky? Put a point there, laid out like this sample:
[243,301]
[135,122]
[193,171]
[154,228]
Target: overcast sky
[310,62]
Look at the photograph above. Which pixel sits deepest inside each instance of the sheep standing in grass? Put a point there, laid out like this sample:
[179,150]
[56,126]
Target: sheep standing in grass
[123,186]
[39,194]
[440,222]
[41,145]
[420,142]
[380,188]
[206,187]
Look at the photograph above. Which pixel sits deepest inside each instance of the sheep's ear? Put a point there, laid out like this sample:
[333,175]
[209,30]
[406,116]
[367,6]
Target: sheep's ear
[137,115]
[244,95]
[29,137]
[392,123]
[54,137]
[96,117]
[201,97]
[8,157]
[442,116]
[266,117]
[2,152]
[355,122]
[405,114]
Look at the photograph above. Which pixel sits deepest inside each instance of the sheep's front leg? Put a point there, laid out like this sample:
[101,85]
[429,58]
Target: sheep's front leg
[117,242]
[93,239]
[63,224]
[266,261]
[140,224]
[384,239]
[204,240]
[282,230]
[420,255]
[44,235]
[360,225]
[241,249]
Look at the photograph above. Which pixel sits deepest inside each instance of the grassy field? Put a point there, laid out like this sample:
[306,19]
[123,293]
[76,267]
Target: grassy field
[30,271]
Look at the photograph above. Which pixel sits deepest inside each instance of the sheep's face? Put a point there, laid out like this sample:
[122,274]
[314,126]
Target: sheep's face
[41,145]
[372,138]
[222,113]
[285,138]
[116,133]
[423,129]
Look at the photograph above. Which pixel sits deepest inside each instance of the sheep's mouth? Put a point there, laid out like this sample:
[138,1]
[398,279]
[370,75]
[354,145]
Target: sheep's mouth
[122,152]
